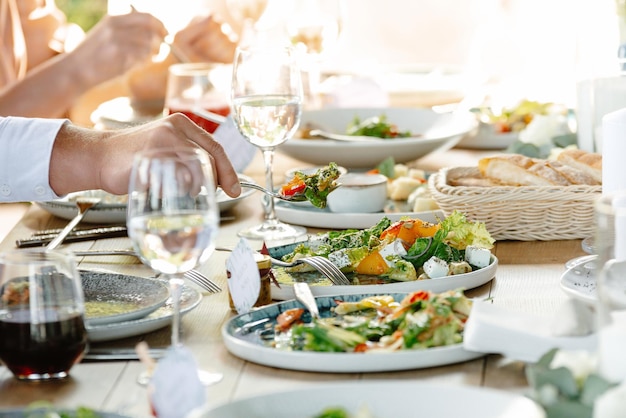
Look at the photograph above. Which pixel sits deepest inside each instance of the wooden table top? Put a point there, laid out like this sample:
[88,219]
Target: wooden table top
[527,280]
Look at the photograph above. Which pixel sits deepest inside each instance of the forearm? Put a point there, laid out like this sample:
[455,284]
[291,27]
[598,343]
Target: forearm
[48,91]
[75,159]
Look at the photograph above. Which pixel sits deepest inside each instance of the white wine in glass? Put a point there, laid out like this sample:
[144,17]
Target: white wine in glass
[266,100]
[173,217]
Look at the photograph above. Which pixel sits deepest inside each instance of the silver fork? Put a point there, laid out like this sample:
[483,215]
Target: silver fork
[321,264]
[202,280]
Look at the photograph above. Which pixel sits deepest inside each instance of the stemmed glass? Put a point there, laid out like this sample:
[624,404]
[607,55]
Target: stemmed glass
[266,100]
[314,27]
[173,217]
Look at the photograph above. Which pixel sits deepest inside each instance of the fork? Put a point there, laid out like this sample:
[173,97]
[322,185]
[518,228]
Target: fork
[321,264]
[202,280]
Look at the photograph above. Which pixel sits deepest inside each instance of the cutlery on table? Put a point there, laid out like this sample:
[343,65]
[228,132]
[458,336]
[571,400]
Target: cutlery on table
[40,238]
[119,354]
[83,204]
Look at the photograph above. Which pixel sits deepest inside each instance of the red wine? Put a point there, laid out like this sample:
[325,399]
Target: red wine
[200,121]
[26,353]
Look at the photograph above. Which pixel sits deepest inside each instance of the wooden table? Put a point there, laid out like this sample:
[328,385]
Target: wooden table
[527,280]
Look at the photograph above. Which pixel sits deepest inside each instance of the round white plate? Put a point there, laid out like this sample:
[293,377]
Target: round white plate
[249,345]
[113,208]
[579,282]
[383,398]
[324,288]
[438,131]
[162,317]
[141,295]
[308,215]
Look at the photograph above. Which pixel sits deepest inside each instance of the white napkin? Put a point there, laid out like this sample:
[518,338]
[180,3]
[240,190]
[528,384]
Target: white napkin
[518,336]
[239,150]
[613,151]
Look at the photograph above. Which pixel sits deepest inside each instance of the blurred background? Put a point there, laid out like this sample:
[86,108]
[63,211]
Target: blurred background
[538,49]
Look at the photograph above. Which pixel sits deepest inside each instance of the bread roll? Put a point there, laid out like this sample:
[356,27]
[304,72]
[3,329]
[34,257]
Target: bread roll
[588,162]
[519,170]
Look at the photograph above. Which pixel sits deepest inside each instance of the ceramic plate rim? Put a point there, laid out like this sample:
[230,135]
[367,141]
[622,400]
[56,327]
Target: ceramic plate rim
[351,394]
[574,292]
[157,301]
[315,218]
[152,322]
[466,281]
[338,362]
[116,212]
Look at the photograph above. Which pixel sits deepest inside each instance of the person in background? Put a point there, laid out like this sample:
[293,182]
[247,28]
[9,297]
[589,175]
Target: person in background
[42,159]
[42,74]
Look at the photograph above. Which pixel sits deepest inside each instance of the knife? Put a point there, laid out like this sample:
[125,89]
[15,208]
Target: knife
[120,354]
[40,239]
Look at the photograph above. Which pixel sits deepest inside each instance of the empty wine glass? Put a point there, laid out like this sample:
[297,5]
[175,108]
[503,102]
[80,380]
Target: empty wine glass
[266,98]
[173,217]
[42,326]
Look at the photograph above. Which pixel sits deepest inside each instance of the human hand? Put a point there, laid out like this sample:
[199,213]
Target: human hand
[84,159]
[116,44]
[204,40]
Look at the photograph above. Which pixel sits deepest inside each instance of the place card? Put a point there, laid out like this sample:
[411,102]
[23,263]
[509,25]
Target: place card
[244,281]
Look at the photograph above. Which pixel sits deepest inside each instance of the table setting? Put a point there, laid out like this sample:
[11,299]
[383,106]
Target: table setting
[441,303]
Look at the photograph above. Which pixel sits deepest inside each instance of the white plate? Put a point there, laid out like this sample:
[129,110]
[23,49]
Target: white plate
[308,215]
[249,346]
[324,288]
[141,295]
[160,318]
[383,398]
[580,283]
[437,132]
[486,138]
[113,208]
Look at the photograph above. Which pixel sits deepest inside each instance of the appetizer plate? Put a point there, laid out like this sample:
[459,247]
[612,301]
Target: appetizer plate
[112,297]
[308,215]
[321,286]
[382,398]
[433,131]
[162,317]
[248,345]
[112,209]
[579,282]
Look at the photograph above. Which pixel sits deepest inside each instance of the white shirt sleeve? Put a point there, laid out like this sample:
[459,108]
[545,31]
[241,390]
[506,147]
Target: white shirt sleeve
[25,151]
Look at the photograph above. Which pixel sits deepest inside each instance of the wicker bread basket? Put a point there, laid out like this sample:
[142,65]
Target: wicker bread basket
[523,213]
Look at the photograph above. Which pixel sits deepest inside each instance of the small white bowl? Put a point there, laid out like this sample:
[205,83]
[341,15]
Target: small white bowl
[359,193]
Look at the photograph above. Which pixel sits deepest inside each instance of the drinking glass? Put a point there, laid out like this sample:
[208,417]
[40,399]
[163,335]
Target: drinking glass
[610,268]
[42,326]
[173,217]
[197,89]
[266,99]
[314,27]
[248,12]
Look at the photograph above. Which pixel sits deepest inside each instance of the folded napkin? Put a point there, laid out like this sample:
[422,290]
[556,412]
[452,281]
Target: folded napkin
[519,336]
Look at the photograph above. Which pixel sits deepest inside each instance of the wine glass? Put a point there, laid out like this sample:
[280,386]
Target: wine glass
[313,28]
[248,12]
[266,100]
[199,91]
[42,325]
[173,217]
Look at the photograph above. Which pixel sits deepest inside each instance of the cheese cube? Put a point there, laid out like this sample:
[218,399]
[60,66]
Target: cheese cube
[477,256]
[391,251]
[435,267]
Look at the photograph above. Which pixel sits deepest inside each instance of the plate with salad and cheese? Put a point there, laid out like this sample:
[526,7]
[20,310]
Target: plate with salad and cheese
[403,256]
[355,333]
